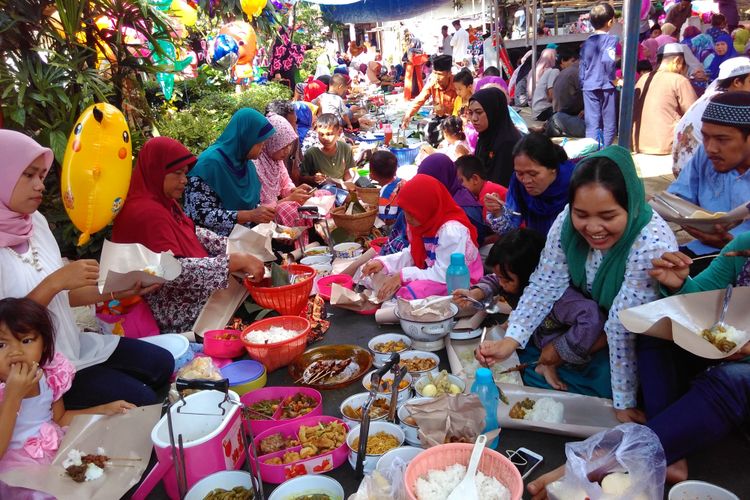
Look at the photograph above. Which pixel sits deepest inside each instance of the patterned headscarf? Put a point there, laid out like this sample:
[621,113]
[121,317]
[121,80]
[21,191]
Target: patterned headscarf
[269,170]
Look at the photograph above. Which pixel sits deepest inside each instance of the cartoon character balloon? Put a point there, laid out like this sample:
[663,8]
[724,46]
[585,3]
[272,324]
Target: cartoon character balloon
[96,169]
[244,35]
[225,51]
[252,8]
[166,80]
[184,12]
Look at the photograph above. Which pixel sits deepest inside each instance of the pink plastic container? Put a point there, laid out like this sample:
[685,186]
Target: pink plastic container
[211,442]
[325,283]
[319,464]
[217,347]
[281,393]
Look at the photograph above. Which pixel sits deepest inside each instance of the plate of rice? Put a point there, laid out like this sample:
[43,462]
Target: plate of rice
[438,484]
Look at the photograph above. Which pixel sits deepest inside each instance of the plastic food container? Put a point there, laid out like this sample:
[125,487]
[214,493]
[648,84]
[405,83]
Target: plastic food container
[347,250]
[423,381]
[225,480]
[318,464]
[371,461]
[308,485]
[280,393]
[405,453]
[326,283]
[381,358]
[217,344]
[357,401]
[315,259]
[278,354]
[245,375]
[699,490]
[403,394]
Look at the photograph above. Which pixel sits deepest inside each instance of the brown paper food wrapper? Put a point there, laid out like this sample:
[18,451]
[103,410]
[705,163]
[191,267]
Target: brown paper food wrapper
[324,203]
[463,363]
[449,417]
[256,242]
[122,265]
[121,436]
[435,312]
[583,416]
[674,209]
[682,318]
[349,299]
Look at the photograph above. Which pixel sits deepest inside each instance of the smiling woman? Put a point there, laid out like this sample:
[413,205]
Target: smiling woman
[602,246]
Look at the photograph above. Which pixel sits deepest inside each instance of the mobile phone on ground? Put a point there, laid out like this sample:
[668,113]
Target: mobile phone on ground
[525,460]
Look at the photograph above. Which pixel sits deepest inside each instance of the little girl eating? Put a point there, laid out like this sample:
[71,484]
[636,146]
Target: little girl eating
[570,334]
[34,378]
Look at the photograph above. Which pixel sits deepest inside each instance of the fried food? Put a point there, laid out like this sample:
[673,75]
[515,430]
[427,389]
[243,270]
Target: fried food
[297,406]
[379,443]
[321,438]
[724,337]
[386,384]
[418,364]
[520,408]
[391,346]
[276,442]
[379,408]
[236,493]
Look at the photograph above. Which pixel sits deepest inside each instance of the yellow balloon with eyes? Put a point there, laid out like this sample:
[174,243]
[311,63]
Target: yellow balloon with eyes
[96,169]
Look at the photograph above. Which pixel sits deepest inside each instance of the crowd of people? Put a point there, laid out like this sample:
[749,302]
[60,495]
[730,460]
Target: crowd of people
[569,242]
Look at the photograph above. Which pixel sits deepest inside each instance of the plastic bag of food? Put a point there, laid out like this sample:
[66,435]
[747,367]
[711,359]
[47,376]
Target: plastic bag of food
[200,368]
[624,462]
[385,484]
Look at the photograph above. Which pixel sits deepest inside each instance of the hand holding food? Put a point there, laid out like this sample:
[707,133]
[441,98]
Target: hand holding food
[247,264]
[459,296]
[22,379]
[671,269]
[77,274]
[261,215]
[494,204]
[372,267]
[389,287]
[493,351]
[720,237]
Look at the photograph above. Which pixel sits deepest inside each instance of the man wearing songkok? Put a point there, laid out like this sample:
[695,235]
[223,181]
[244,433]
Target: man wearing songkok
[440,88]
[717,178]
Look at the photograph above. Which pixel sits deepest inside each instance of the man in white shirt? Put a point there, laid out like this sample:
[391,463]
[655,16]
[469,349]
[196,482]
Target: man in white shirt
[446,41]
[460,43]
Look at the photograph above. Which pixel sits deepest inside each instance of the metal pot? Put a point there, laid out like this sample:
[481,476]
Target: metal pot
[428,331]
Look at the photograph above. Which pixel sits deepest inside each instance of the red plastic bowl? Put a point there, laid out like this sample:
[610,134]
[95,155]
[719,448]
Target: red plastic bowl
[326,283]
[217,347]
[282,353]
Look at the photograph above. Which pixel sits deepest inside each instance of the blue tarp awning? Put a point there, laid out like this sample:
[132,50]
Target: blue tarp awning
[371,11]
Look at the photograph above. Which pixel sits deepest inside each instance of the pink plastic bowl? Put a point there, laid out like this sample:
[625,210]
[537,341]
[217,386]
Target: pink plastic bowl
[221,347]
[325,283]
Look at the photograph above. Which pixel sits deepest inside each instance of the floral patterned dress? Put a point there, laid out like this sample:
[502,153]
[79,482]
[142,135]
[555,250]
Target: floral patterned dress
[177,304]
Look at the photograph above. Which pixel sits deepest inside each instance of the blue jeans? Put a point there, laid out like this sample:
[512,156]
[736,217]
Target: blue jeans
[600,113]
[135,371]
[691,412]
[564,125]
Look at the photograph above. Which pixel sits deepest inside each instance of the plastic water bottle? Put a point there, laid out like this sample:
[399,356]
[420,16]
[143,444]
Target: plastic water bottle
[457,275]
[484,387]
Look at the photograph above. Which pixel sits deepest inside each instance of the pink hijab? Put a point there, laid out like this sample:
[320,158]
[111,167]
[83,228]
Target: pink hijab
[19,151]
[272,173]
[652,48]
[547,60]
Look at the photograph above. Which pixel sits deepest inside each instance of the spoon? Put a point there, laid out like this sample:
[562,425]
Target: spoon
[724,307]
[467,488]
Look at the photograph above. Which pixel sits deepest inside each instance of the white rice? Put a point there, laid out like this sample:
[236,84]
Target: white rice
[546,410]
[93,472]
[273,335]
[732,334]
[438,484]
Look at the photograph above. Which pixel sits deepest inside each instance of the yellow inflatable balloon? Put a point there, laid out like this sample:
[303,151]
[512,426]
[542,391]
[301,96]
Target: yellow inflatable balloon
[96,169]
[253,8]
[186,14]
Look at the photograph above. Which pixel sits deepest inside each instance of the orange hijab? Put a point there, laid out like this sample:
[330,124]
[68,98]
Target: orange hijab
[429,202]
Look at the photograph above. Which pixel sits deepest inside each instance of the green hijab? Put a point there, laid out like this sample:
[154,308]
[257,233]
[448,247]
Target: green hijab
[224,165]
[611,272]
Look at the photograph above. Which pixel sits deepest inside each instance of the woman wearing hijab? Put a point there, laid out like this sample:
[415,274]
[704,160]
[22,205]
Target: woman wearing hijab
[538,190]
[723,50]
[108,367]
[488,110]
[547,60]
[601,244]
[314,89]
[277,189]
[223,189]
[437,228]
[442,168]
[152,216]
[650,49]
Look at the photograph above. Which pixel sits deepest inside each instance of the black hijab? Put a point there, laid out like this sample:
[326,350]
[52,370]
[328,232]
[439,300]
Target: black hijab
[495,145]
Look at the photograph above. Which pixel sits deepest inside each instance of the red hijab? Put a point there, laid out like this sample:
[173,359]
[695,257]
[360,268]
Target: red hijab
[430,203]
[314,89]
[151,218]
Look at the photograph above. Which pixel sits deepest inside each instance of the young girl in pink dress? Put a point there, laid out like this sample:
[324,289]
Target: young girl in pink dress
[34,378]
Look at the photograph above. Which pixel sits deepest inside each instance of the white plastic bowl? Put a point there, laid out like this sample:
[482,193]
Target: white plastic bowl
[381,358]
[405,453]
[410,431]
[356,401]
[699,490]
[308,485]
[403,395]
[316,251]
[226,480]
[371,460]
[416,375]
[419,385]
[315,259]
[178,345]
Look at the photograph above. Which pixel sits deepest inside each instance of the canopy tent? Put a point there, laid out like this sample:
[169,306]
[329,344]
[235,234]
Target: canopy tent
[370,11]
